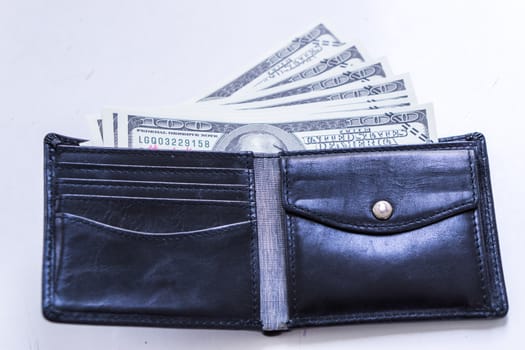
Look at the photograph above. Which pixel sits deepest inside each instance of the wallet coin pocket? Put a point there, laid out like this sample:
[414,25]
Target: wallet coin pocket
[398,231]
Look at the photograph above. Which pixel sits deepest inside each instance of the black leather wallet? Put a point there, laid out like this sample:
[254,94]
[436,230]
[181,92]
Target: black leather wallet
[270,242]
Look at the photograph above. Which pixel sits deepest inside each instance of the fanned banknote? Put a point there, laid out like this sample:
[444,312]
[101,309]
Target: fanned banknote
[344,59]
[341,95]
[397,126]
[319,41]
[315,93]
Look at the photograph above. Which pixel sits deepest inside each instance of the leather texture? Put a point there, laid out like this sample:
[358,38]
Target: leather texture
[436,257]
[150,238]
[169,238]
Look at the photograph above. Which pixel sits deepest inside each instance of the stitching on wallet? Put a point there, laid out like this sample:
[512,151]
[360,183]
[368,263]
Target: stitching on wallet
[472,175]
[487,220]
[480,260]
[491,229]
[395,314]
[253,248]
[477,234]
[152,319]
[49,270]
[246,160]
[291,244]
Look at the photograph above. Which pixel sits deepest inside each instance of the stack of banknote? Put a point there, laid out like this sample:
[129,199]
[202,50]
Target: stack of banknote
[315,93]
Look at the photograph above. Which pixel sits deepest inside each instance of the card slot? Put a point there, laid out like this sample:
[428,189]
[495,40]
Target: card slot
[156,191]
[157,174]
[143,166]
[196,185]
[202,274]
[148,214]
[131,198]
[147,157]
[142,234]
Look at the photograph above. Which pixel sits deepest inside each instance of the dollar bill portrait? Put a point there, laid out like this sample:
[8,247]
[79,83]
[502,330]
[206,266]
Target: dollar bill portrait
[258,138]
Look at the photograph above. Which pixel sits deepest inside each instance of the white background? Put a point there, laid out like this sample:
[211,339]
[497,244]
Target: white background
[60,60]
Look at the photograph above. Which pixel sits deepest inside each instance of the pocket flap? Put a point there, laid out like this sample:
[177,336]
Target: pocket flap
[422,185]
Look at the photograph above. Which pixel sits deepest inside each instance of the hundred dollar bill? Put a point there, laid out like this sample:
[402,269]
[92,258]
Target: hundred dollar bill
[295,55]
[399,84]
[371,73]
[326,108]
[344,59]
[347,56]
[394,127]
[401,100]
[359,98]
[289,113]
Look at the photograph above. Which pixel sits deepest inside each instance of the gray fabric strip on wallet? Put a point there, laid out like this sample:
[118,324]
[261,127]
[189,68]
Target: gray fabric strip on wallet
[272,244]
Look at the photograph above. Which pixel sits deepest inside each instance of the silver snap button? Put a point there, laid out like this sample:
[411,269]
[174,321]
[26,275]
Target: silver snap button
[382,210]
